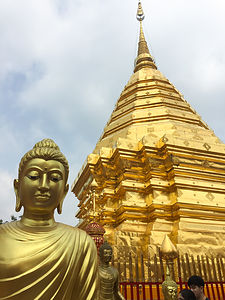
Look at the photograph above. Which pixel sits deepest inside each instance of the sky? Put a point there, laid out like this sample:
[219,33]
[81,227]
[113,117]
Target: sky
[64,63]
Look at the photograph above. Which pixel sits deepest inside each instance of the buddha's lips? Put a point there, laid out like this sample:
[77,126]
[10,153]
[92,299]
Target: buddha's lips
[42,196]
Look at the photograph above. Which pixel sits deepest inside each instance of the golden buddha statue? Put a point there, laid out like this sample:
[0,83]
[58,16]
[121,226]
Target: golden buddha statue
[108,275]
[169,287]
[40,258]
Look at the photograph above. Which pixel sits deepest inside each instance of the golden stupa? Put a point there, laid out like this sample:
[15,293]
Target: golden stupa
[157,169]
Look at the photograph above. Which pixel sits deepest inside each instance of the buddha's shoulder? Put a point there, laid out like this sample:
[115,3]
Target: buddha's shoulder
[71,229]
[76,232]
[8,233]
[8,226]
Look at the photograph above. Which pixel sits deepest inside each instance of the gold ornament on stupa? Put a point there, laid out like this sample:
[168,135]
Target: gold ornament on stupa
[169,253]
[158,166]
[168,250]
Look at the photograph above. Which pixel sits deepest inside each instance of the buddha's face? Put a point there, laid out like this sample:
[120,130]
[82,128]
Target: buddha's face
[106,256]
[171,293]
[41,187]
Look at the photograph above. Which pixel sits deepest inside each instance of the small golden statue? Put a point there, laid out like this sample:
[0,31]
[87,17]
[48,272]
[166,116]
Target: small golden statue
[108,275]
[40,258]
[169,288]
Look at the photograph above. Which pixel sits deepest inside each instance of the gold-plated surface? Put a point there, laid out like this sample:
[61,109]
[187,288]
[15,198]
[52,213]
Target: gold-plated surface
[39,258]
[159,169]
[169,288]
[168,250]
[108,275]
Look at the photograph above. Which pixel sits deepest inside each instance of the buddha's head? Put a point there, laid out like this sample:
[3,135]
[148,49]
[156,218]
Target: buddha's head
[105,253]
[42,180]
[169,289]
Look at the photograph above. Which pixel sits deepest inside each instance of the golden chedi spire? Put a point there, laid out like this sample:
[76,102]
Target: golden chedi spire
[144,58]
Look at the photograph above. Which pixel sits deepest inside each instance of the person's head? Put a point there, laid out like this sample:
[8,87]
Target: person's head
[186,294]
[169,289]
[105,253]
[196,284]
[42,177]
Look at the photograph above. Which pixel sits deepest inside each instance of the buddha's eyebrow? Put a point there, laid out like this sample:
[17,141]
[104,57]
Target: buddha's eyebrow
[56,171]
[43,170]
[33,168]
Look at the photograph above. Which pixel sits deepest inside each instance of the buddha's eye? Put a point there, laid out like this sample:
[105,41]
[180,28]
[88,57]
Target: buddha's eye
[55,177]
[33,175]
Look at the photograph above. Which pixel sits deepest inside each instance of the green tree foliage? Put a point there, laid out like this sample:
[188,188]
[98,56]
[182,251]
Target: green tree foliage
[13,218]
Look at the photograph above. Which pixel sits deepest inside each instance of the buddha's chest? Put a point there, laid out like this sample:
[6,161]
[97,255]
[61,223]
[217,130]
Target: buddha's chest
[107,275]
[107,278]
[21,253]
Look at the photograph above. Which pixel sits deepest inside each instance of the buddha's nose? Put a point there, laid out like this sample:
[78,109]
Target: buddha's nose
[44,186]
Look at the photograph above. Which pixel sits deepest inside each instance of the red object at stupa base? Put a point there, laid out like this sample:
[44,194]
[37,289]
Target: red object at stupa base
[96,231]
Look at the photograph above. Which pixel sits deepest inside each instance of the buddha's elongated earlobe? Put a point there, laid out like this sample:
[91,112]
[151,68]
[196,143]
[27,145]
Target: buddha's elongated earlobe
[18,204]
[18,201]
[59,207]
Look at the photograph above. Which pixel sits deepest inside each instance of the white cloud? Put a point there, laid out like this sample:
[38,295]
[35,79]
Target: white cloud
[7,196]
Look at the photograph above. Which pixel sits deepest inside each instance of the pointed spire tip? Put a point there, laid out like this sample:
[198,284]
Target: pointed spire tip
[144,58]
[140,12]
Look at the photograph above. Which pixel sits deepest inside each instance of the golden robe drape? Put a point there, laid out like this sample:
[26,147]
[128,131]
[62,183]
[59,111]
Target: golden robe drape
[57,263]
